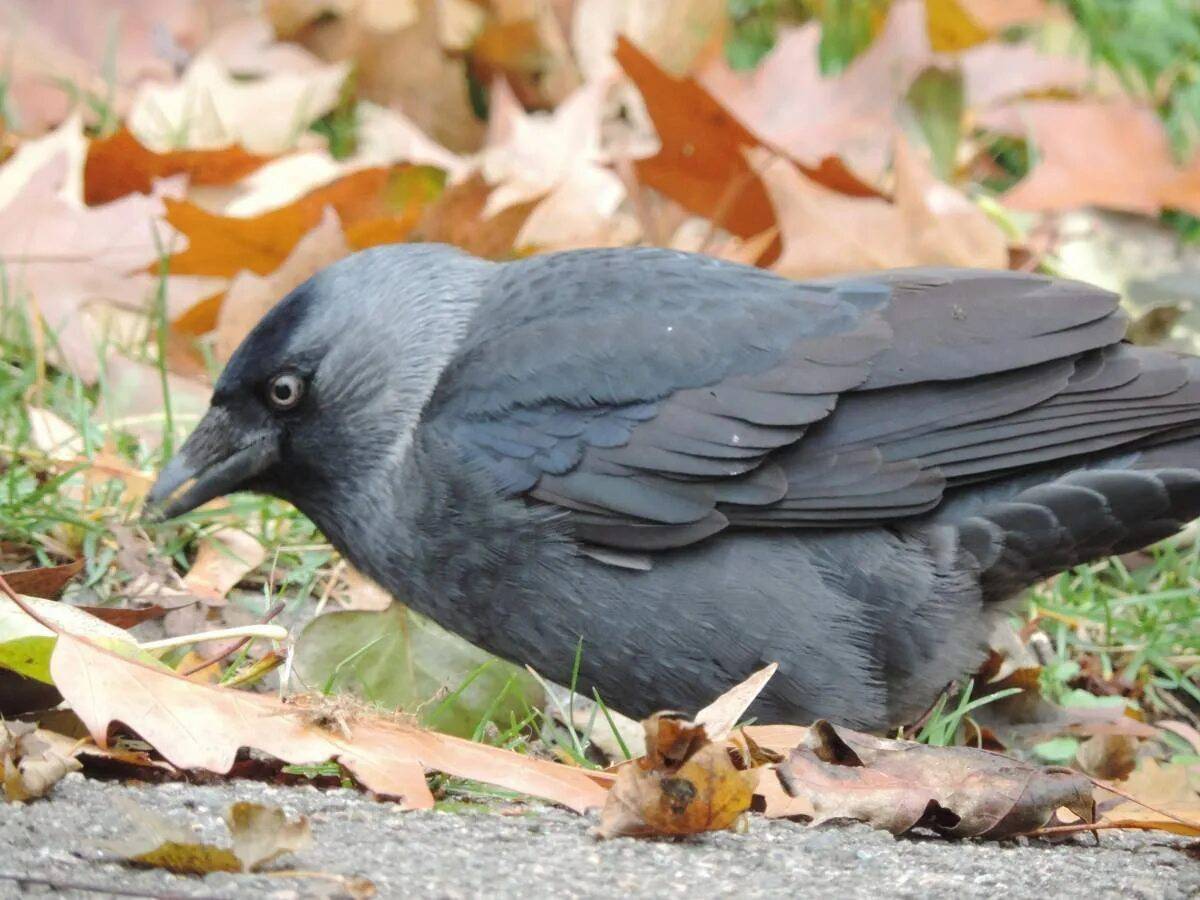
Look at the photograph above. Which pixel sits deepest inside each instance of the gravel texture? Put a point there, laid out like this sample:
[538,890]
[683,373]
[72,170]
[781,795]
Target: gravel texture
[543,852]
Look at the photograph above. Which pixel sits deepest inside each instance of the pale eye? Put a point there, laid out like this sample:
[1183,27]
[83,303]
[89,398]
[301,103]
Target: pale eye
[285,390]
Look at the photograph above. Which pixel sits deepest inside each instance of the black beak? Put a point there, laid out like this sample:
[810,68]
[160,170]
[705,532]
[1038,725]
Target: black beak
[216,459]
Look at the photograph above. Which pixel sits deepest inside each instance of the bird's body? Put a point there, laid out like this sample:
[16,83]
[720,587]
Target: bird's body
[698,468]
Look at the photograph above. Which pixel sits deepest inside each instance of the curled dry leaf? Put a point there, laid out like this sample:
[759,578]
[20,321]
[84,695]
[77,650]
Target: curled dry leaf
[689,782]
[901,785]
[31,763]
[685,784]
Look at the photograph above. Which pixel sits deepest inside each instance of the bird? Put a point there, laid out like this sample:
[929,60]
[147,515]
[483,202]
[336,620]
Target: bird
[657,472]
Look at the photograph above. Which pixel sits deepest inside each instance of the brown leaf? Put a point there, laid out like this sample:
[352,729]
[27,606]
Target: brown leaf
[701,163]
[457,218]
[203,726]
[826,233]
[1094,153]
[719,717]
[119,164]
[685,784]
[1173,790]
[46,582]
[123,617]
[223,558]
[29,763]
[1111,757]
[900,785]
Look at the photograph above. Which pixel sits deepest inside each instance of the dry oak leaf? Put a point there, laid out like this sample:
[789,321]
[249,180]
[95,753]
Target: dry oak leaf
[901,785]
[120,164]
[199,726]
[929,223]
[29,763]
[1094,153]
[251,296]
[701,163]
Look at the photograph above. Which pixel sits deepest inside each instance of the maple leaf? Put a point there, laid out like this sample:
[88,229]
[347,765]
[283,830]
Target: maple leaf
[929,223]
[64,256]
[558,160]
[214,105]
[1096,153]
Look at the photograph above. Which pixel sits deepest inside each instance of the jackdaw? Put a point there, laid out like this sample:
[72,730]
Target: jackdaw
[697,468]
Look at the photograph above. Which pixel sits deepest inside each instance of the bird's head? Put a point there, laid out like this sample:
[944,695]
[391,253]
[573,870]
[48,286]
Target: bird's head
[328,386]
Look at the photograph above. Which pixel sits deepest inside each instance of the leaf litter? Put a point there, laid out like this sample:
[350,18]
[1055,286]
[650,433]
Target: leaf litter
[604,128]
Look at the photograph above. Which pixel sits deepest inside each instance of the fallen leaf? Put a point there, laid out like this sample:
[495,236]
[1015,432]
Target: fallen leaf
[223,558]
[1114,155]
[1111,757]
[929,223]
[29,764]
[1184,730]
[251,296]
[457,218]
[65,256]
[212,106]
[685,784]
[689,781]
[119,164]
[901,785]
[203,726]
[46,582]
[673,33]
[1172,790]
[26,645]
[996,15]
[788,104]
[407,67]
[398,660]
[701,163]
[259,834]
[721,716]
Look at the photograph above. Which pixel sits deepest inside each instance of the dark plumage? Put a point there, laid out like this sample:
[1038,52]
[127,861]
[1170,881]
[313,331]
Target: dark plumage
[699,467]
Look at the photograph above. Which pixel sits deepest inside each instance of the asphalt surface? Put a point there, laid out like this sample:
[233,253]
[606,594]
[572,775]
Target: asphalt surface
[52,847]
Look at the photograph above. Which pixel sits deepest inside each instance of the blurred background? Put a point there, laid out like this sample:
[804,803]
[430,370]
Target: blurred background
[169,169]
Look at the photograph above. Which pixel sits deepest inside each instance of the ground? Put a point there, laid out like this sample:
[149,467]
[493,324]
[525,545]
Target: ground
[549,852]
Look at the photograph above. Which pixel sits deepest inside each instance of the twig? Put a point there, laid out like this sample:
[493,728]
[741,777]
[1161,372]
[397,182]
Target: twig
[200,667]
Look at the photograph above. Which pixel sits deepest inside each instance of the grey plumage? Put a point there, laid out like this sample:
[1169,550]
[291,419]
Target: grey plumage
[698,467]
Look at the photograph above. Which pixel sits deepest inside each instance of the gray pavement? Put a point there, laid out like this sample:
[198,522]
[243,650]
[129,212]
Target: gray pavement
[543,852]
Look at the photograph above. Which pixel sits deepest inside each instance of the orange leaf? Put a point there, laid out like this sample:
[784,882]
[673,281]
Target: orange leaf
[120,165]
[46,582]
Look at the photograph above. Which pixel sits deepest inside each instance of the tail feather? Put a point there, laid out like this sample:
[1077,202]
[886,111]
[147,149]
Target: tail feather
[1082,515]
